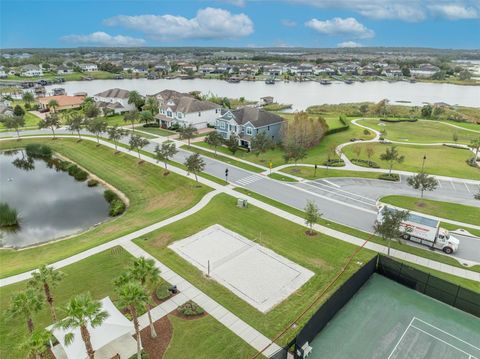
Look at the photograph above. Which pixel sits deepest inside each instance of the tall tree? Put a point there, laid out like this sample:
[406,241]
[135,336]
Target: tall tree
[260,143]
[38,344]
[51,121]
[115,133]
[97,126]
[134,98]
[137,143]
[53,104]
[18,111]
[304,130]
[455,136]
[370,152]
[390,225]
[232,143]
[132,117]
[312,215]
[147,273]
[146,116]
[294,152]
[90,109]
[75,123]
[24,305]
[357,149]
[80,311]
[214,139]
[195,164]
[14,123]
[422,182]
[28,98]
[187,132]
[45,279]
[134,297]
[391,156]
[475,144]
[165,152]
[151,104]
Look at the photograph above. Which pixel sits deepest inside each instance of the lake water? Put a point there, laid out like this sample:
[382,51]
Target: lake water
[299,94]
[50,204]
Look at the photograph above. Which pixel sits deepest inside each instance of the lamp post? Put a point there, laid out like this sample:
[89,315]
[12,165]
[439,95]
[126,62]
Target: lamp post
[423,162]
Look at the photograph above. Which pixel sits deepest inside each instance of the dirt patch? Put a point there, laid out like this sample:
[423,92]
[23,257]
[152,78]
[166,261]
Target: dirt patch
[156,347]
[420,204]
[162,240]
[311,234]
[178,314]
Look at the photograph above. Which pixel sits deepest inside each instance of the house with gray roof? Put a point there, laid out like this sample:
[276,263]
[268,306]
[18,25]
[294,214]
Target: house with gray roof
[115,99]
[247,122]
[184,109]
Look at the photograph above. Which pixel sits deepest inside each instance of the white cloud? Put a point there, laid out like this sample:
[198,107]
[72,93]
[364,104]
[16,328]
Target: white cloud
[104,39]
[338,26]
[288,23]
[209,23]
[411,10]
[455,11]
[346,44]
[239,3]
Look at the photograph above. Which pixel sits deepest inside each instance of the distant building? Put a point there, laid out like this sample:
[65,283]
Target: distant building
[247,122]
[61,70]
[64,102]
[424,70]
[184,109]
[206,69]
[115,99]
[88,67]
[31,71]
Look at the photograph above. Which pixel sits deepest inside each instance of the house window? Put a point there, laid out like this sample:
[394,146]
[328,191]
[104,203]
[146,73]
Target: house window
[222,125]
[268,128]
[199,114]
[249,131]
[179,114]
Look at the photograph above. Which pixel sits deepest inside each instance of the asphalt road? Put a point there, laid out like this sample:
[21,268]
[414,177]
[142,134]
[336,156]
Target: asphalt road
[347,201]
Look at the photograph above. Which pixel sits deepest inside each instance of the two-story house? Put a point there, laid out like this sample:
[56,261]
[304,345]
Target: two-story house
[88,67]
[184,109]
[115,99]
[31,71]
[247,122]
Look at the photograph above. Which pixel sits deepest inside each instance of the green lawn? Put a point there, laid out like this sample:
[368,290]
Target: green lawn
[156,131]
[447,210]
[153,197]
[361,234]
[441,160]
[316,155]
[225,159]
[321,254]
[31,120]
[422,131]
[333,120]
[310,173]
[93,274]
[280,177]
[205,338]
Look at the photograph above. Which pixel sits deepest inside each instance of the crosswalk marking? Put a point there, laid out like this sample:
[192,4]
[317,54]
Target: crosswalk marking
[248,180]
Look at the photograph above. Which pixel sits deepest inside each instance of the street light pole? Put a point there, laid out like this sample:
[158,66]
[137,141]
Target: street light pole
[226,174]
[423,163]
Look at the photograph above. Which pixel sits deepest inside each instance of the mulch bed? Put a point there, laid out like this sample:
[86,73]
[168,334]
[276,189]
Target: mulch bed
[178,314]
[311,234]
[156,347]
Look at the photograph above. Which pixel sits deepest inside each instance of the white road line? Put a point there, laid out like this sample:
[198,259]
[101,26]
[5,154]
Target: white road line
[349,195]
[401,338]
[331,183]
[347,192]
[248,180]
[466,186]
[451,182]
[440,184]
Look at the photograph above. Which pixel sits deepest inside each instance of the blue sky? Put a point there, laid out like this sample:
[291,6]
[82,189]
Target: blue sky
[305,23]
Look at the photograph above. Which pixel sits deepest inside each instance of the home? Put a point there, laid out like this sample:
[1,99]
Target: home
[206,69]
[273,70]
[3,74]
[88,67]
[266,100]
[184,109]
[31,71]
[61,70]
[424,70]
[163,68]
[247,122]
[392,71]
[115,99]
[64,102]
[222,68]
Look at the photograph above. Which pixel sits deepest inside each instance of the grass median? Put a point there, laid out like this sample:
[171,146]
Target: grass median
[310,173]
[153,198]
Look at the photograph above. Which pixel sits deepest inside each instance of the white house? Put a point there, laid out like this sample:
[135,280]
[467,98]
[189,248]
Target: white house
[88,67]
[184,109]
[115,99]
[206,69]
[31,71]
[424,70]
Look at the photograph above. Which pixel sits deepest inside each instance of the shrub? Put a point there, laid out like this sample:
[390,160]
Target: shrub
[472,162]
[190,309]
[334,163]
[109,195]
[92,183]
[365,163]
[152,124]
[8,215]
[37,150]
[162,291]
[117,207]
[366,132]
[80,175]
[398,119]
[389,177]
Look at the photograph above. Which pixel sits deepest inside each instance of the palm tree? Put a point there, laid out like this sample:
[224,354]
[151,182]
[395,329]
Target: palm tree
[475,144]
[133,296]
[28,98]
[25,304]
[44,279]
[82,310]
[53,104]
[147,273]
[38,343]
[134,98]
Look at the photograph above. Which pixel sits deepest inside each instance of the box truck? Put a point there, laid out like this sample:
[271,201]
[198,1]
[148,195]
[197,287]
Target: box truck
[424,230]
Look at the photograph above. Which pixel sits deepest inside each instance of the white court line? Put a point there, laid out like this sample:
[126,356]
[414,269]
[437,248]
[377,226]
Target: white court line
[401,338]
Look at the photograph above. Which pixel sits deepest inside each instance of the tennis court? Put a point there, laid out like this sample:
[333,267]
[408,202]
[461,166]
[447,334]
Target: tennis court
[254,273]
[390,321]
